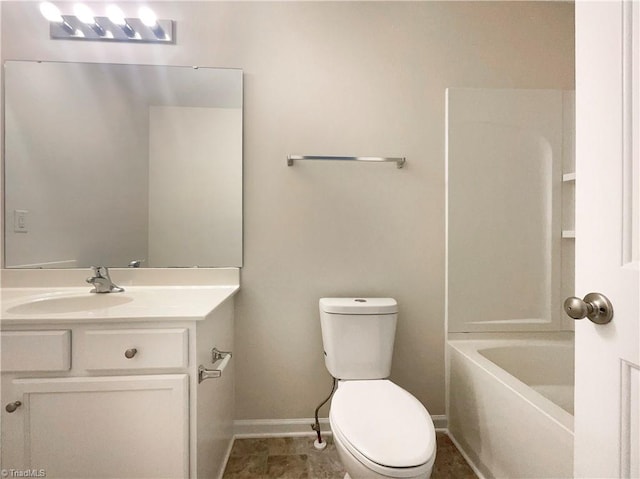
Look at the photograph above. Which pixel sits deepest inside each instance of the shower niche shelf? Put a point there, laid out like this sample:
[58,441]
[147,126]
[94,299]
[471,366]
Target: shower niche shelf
[568,205]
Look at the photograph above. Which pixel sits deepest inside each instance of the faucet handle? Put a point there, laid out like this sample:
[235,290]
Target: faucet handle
[100,271]
[93,277]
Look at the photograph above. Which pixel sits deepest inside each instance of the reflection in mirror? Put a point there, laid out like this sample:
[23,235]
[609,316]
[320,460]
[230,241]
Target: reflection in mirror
[108,164]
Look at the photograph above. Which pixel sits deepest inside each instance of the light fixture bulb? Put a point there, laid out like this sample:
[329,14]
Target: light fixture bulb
[147,16]
[117,18]
[84,13]
[51,12]
[116,15]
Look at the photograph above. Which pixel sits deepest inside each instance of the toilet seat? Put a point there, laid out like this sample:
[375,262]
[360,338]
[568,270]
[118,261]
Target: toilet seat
[384,427]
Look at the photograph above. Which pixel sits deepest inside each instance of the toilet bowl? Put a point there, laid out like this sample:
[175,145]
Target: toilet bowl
[381,431]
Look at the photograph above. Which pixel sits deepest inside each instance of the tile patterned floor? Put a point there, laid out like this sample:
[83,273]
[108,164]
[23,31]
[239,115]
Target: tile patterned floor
[296,458]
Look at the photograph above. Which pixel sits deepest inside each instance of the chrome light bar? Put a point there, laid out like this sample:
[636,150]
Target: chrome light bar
[114,27]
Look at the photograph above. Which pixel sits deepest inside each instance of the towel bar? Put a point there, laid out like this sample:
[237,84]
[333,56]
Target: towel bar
[376,159]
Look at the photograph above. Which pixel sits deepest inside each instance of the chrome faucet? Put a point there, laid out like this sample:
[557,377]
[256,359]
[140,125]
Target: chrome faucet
[102,281]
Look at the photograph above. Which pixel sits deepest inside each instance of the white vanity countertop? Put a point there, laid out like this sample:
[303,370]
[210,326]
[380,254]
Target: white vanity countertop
[62,296]
[136,303]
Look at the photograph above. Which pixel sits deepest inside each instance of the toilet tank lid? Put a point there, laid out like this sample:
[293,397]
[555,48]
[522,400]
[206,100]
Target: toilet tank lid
[359,305]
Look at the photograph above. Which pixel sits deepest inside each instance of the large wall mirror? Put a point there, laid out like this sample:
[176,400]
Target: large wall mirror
[108,164]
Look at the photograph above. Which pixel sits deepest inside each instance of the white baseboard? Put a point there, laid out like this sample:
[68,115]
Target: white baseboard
[255,428]
[278,427]
[226,459]
[440,422]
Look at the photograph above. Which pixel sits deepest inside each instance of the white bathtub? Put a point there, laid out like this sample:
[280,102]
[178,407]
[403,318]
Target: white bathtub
[510,405]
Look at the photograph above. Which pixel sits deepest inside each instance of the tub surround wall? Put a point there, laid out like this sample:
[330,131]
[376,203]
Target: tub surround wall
[343,78]
[506,153]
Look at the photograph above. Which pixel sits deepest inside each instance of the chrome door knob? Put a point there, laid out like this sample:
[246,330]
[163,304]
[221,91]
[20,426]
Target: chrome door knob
[594,306]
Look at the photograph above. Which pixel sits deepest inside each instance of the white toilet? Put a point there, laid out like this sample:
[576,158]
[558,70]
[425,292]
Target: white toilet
[380,430]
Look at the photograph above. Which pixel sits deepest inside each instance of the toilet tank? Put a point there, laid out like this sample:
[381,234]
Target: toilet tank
[358,335]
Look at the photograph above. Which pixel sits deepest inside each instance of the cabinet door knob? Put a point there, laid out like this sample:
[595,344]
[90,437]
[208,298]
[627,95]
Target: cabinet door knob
[12,406]
[129,353]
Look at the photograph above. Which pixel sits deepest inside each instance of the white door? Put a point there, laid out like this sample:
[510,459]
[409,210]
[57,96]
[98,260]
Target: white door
[607,406]
[100,427]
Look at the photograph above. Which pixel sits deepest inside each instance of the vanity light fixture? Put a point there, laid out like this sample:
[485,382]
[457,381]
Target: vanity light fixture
[84,25]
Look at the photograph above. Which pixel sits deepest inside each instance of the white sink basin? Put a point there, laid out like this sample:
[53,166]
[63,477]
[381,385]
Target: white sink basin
[70,304]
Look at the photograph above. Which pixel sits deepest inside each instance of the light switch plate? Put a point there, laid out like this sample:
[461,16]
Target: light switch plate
[20,221]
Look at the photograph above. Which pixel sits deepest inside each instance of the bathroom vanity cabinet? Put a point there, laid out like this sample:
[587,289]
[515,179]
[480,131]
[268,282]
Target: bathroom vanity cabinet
[85,398]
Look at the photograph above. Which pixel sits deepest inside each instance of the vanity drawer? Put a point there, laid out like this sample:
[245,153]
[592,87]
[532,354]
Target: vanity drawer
[133,349]
[36,351]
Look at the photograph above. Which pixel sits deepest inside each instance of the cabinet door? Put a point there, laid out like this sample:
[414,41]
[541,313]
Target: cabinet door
[100,427]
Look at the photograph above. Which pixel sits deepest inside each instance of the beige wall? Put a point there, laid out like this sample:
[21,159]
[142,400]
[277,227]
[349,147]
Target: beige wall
[349,79]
